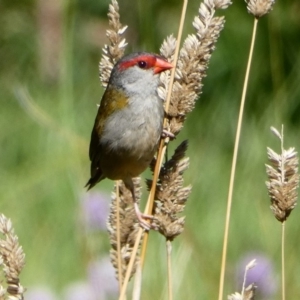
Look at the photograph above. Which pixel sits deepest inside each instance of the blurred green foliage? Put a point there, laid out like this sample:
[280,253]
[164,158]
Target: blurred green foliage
[44,152]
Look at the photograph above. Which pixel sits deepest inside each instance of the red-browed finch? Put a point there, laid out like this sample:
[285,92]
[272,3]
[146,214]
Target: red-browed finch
[129,122]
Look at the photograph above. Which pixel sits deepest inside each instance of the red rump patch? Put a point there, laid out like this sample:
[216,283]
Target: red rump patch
[149,60]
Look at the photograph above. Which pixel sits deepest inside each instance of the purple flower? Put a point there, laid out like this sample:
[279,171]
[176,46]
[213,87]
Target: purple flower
[262,275]
[39,293]
[101,276]
[95,209]
[79,291]
[100,285]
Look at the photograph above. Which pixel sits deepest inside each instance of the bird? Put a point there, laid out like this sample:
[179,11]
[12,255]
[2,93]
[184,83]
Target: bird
[129,123]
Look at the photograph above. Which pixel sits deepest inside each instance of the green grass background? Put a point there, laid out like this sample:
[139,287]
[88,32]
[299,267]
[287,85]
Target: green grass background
[43,168]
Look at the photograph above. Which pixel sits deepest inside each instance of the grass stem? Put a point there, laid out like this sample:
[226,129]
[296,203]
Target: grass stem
[136,295]
[160,155]
[169,252]
[162,145]
[118,236]
[234,160]
[282,260]
[130,265]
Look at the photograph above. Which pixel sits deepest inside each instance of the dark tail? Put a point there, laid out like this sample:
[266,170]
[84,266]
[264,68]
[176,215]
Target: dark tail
[98,176]
[90,184]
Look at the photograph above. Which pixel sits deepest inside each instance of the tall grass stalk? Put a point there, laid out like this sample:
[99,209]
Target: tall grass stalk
[283,260]
[234,160]
[160,155]
[282,230]
[120,279]
[162,145]
[136,293]
[130,265]
[283,187]
[169,252]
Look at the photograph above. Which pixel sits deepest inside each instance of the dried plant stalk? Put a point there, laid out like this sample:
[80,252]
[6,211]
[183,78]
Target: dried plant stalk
[253,7]
[283,180]
[192,62]
[12,260]
[283,187]
[259,8]
[115,50]
[129,226]
[190,70]
[169,252]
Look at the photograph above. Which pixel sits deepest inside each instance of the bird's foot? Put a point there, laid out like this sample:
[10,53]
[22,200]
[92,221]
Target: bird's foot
[166,133]
[143,218]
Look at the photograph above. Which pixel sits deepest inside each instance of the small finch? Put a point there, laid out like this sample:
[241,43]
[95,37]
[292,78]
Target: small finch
[129,123]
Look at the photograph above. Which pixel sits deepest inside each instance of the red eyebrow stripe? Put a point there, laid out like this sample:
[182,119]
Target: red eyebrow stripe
[150,60]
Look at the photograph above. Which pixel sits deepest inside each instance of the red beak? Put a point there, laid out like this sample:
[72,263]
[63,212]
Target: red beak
[161,65]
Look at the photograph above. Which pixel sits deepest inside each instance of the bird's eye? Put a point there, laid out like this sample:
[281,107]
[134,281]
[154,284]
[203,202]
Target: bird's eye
[142,64]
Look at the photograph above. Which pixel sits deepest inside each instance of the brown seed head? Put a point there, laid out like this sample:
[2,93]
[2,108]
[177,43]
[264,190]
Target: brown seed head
[259,8]
[283,180]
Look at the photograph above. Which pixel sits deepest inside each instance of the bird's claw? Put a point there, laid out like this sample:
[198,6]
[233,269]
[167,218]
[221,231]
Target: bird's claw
[143,221]
[142,218]
[166,133]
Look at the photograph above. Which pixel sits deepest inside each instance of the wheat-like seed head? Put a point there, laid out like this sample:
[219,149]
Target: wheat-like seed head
[283,181]
[192,63]
[191,68]
[12,260]
[129,224]
[170,194]
[259,8]
[115,50]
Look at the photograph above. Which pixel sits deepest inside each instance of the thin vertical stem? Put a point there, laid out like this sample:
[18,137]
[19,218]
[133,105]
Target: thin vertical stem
[149,206]
[234,160]
[119,236]
[160,154]
[130,265]
[282,167]
[162,145]
[136,294]
[283,260]
[169,252]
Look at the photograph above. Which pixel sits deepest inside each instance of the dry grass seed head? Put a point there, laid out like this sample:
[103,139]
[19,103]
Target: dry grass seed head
[190,70]
[192,62]
[170,195]
[129,225]
[259,8]
[12,259]
[283,179]
[115,50]
[283,182]
[167,50]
